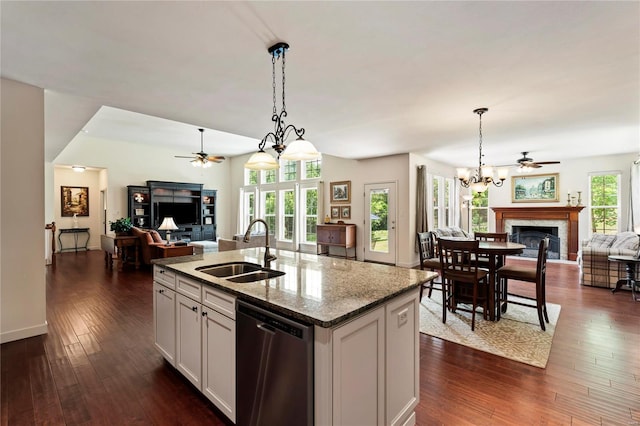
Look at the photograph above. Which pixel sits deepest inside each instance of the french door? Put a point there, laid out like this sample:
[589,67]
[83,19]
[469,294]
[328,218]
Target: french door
[380,222]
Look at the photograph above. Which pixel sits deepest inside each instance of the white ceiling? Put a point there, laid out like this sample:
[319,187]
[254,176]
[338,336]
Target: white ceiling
[560,79]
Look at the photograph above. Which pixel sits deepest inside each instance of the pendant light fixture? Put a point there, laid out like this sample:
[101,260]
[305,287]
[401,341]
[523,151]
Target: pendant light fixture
[483,176]
[299,149]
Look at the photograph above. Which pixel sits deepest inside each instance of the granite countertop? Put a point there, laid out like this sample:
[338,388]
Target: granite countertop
[319,290]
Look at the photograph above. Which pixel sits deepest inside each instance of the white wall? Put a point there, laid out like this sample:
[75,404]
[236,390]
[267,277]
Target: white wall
[22,237]
[134,164]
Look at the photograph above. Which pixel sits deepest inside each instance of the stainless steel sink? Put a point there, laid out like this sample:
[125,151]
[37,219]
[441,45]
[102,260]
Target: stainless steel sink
[229,269]
[264,274]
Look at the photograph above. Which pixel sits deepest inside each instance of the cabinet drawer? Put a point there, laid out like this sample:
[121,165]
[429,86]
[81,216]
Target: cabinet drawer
[164,276]
[189,288]
[220,301]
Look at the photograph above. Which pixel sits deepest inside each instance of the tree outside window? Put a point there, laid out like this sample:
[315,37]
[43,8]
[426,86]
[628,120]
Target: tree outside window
[288,209]
[250,177]
[269,209]
[289,171]
[269,176]
[604,203]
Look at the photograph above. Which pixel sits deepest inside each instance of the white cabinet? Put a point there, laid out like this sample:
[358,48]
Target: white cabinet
[189,339]
[195,330]
[367,370]
[358,371]
[402,358]
[219,361]
[164,321]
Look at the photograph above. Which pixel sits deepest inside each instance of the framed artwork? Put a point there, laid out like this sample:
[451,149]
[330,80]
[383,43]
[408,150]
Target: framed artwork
[345,212]
[535,188]
[341,192]
[335,212]
[74,200]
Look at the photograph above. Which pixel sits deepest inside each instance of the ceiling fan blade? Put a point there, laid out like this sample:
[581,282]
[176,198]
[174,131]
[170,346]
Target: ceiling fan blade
[183,156]
[216,158]
[547,162]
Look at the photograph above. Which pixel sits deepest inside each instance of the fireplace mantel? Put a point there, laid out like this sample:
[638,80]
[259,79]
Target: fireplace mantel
[567,213]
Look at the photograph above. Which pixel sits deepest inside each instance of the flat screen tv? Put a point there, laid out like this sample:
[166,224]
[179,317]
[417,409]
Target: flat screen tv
[182,213]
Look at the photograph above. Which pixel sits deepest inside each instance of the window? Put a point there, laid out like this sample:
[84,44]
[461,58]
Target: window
[250,177]
[442,192]
[248,207]
[287,215]
[309,200]
[289,171]
[604,202]
[268,208]
[288,204]
[311,169]
[480,212]
[268,176]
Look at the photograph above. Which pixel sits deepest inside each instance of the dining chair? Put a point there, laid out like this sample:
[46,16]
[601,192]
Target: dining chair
[483,259]
[467,282]
[528,274]
[428,259]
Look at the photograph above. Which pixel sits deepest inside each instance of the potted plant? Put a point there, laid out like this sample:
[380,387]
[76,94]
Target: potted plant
[121,226]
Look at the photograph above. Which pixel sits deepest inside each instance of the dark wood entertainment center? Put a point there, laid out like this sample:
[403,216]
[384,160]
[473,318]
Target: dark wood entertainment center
[192,208]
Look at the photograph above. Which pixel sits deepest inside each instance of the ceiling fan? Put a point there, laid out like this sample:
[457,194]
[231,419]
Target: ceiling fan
[202,159]
[528,163]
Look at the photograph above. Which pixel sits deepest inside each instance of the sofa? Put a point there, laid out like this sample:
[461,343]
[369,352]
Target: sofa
[451,231]
[149,240]
[237,243]
[595,268]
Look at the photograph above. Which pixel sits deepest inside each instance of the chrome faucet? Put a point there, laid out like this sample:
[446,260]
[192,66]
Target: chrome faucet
[268,257]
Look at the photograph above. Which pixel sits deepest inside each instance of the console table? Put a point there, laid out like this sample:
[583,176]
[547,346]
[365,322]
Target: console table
[76,232]
[337,235]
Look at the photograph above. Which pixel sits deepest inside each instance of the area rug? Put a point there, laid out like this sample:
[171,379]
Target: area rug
[516,336]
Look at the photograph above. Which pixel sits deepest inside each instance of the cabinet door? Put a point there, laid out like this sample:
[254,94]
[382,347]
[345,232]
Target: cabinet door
[164,325]
[219,361]
[402,358]
[358,371]
[189,339]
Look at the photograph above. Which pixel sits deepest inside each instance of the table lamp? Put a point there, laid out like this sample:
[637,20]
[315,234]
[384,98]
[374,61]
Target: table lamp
[168,225]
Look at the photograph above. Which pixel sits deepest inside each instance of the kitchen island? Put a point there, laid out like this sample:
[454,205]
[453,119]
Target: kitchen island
[365,329]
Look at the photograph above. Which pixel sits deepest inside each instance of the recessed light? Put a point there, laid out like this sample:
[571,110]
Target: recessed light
[78,169]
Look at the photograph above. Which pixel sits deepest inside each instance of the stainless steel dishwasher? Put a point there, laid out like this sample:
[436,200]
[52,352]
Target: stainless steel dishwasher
[274,364]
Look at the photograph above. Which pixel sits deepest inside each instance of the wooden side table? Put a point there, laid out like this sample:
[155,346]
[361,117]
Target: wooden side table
[124,249]
[630,279]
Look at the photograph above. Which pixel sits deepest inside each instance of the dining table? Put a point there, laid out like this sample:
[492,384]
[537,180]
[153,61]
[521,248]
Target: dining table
[495,250]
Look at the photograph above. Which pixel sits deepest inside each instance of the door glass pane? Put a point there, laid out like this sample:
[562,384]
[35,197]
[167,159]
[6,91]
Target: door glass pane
[311,215]
[270,210]
[379,207]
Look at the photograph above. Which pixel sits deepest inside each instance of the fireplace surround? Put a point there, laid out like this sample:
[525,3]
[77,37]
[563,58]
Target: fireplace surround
[564,217]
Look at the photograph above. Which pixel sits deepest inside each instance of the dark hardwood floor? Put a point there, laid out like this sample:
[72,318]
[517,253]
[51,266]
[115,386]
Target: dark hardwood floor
[97,365]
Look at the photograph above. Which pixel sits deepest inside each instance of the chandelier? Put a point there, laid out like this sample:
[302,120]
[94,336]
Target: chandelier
[299,149]
[483,175]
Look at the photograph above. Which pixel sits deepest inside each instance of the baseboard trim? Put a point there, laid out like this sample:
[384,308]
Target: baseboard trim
[23,333]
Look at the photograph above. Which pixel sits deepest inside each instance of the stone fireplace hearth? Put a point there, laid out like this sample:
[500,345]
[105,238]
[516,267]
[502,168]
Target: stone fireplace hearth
[564,218]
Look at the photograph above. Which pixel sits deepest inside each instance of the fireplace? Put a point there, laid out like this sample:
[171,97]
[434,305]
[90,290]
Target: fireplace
[531,236]
[565,218]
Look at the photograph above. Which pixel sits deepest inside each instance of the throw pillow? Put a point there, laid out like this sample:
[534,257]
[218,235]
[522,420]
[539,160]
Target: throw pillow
[443,232]
[601,240]
[155,235]
[626,240]
[458,232]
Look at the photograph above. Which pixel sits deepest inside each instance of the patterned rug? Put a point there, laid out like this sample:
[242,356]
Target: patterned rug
[516,336]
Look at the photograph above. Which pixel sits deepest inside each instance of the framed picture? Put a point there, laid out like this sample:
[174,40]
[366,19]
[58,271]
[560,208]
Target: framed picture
[345,212]
[74,200]
[335,212]
[535,188]
[341,192]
